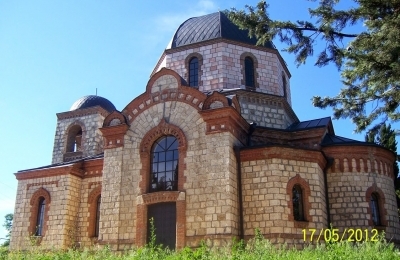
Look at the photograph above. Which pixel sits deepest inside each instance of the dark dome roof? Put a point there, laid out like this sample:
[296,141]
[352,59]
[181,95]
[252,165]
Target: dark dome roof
[208,27]
[91,101]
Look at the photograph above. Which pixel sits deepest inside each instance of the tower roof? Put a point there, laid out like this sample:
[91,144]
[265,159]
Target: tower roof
[91,101]
[209,27]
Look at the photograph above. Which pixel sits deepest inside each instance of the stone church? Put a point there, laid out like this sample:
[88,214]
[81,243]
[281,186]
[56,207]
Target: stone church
[210,151]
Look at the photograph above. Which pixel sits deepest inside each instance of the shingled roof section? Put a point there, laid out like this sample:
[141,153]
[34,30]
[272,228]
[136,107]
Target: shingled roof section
[209,27]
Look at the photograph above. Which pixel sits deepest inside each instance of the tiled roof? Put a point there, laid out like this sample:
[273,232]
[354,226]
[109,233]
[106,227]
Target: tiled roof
[310,124]
[208,27]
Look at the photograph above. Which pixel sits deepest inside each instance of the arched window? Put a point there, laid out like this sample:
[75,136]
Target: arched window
[284,85]
[74,139]
[97,221]
[194,72]
[164,164]
[249,72]
[298,206]
[374,204]
[40,217]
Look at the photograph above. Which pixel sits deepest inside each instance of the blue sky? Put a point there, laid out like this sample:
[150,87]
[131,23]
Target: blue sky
[54,52]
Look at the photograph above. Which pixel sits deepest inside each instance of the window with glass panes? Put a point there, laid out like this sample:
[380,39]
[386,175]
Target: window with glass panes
[164,165]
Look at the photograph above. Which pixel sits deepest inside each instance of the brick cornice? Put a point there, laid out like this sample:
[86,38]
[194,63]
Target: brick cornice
[114,135]
[268,152]
[226,119]
[86,169]
[83,112]
[379,159]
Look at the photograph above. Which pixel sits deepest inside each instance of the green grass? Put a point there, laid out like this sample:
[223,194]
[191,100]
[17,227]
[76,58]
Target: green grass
[257,249]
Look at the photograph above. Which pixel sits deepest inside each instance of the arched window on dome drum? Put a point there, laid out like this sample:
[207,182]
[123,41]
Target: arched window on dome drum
[97,223]
[284,85]
[164,164]
[249,72]
[374,204]
[298,206]
[194,72]
[40,217]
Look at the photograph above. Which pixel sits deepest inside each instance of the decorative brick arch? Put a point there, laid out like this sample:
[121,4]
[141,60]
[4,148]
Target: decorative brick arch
[114,117]
[92,201]
[34,202]
[163,129]
[215,97]
[374,189]
[305,189]
[67,137]
[242,65]
[200,72]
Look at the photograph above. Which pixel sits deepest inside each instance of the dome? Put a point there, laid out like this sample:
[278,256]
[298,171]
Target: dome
[209,27]
[91,101]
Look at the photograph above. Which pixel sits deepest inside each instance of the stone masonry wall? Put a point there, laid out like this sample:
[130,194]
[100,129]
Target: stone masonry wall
[222,68]
[210,178]
[265,198]
[60,226]
[350,207]
[92,141]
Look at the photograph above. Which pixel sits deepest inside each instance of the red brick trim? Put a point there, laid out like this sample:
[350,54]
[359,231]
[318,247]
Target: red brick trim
[367,159]
[214,97]
[83,112]
[305,189]
[163,129]
[87,169]
[374,189]
[160,197]
[184,94]
[120,119]
[92,201]
[200,64]
[226,119]
[236,104]
[34,202]
[297,154]
[114,135]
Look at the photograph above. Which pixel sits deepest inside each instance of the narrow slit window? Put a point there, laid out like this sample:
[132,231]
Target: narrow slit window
[194,72]
[249,72]
[298,207]
[376,219]
[40,217]
[97,223]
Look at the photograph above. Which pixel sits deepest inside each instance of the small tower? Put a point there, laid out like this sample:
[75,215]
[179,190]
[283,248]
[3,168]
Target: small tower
[77,133]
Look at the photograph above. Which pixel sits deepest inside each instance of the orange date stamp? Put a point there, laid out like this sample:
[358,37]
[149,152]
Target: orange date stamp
[334,235]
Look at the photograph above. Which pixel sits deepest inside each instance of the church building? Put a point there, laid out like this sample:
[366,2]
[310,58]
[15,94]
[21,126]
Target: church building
[210,151]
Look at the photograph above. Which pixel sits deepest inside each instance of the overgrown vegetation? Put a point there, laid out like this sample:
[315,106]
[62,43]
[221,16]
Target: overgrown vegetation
[257,248]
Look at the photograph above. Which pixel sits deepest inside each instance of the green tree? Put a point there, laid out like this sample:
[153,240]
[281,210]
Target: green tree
[387,138]
[8,225]
[369,62]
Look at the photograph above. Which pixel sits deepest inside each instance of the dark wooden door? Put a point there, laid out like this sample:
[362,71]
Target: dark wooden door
[164,217]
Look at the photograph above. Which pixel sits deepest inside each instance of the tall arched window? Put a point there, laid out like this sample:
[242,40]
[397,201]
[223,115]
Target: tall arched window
[194,72]
[40,217]
[249,72]
[374,204]
[298,206]
[97,223]
[164,165]
[284,85]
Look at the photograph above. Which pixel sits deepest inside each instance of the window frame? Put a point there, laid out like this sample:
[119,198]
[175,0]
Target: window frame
[376,192]
[39,196]
[297,181]
[253,58]
[188,59]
